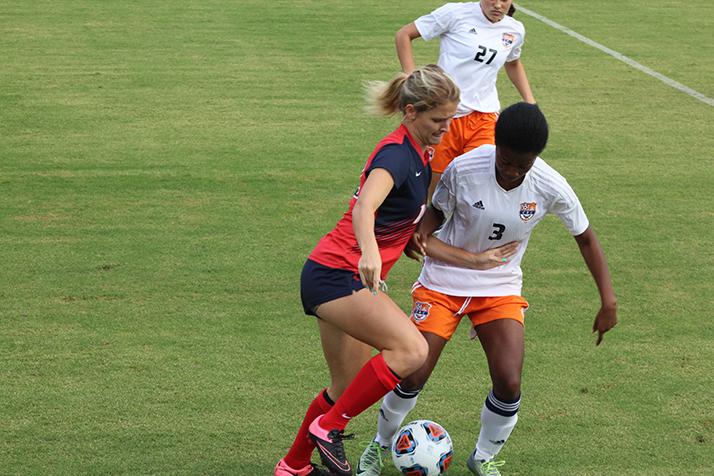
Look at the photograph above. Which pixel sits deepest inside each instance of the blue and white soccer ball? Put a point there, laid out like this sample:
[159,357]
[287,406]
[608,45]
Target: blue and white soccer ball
[422,448]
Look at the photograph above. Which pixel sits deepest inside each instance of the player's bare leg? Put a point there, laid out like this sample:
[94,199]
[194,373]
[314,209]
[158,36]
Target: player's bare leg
[395,407]
[376,321]
[503,342]
[344,354]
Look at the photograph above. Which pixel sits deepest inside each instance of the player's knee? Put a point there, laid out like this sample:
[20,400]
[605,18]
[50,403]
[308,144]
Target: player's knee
[407,353]
[415,354]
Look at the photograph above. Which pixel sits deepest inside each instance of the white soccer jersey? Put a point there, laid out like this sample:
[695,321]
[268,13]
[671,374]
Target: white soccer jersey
[472,50]
[482,215]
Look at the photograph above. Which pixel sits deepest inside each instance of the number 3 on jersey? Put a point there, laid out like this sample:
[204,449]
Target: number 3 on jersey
[482,53]
[497,233]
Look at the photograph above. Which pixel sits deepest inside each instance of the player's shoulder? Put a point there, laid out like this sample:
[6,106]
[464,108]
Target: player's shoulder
[397,136]
[510,23]
[462,11]
[548,180]
[478,160]
[464,7]
[394,141]
[545,171]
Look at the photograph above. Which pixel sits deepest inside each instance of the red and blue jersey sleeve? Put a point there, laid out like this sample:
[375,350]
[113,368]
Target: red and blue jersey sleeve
[396,217]
[391,158]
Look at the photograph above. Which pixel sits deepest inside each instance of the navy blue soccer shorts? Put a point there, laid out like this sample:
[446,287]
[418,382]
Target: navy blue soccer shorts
[320,284]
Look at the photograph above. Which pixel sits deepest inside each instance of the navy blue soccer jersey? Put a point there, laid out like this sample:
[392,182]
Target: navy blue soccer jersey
[397,217]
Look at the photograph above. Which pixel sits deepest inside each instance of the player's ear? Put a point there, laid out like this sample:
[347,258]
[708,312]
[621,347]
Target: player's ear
[410,112]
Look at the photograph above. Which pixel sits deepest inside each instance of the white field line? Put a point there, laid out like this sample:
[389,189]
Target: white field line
[668,81]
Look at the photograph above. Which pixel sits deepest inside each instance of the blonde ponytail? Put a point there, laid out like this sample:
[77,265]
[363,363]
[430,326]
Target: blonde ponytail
[425,88]
[383,97]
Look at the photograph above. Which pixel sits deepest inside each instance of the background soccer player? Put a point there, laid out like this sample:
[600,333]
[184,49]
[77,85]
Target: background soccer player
[476,40]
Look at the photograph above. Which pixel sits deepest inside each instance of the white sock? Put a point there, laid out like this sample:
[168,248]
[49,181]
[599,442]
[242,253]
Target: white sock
[497,422]
[396,405]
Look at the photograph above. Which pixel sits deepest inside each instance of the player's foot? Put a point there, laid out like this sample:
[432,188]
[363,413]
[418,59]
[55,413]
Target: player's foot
[482,467]
[329,445]
[282,469]
[370,463]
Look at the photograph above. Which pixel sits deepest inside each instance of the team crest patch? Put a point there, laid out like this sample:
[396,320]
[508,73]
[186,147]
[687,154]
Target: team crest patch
[420,311]
[429,153]
[527,210]
[507,39]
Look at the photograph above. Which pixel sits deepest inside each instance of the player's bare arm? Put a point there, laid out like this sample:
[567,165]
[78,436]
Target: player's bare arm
[372,194]
[595,260]
[403,41]
[461,258]
[517,74]
[424,243]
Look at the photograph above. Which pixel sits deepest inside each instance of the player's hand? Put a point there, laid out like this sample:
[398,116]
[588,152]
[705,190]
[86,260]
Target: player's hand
[495,256]
[605,320]
[416,248]
[370,269]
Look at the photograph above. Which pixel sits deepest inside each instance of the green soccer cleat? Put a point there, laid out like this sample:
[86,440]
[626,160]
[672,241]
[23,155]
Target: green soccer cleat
[484,468]
[370,463]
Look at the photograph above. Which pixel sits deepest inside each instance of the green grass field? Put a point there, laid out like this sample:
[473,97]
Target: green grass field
[166,167]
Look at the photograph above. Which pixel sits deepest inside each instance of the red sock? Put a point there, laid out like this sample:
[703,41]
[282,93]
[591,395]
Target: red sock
[372,382]
[301,451]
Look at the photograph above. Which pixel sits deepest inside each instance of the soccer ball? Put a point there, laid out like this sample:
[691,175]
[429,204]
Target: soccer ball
[422,448]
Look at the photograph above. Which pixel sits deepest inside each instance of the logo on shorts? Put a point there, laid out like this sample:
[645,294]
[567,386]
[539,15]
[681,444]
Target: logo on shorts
[527,210]
[420,311]
[507,39]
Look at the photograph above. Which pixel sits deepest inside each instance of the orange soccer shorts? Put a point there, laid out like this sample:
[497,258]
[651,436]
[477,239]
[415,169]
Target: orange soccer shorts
[465,133]
[441,314]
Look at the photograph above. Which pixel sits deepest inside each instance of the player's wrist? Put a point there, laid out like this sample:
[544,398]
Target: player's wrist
[608,303]
[369,248]
[476,260]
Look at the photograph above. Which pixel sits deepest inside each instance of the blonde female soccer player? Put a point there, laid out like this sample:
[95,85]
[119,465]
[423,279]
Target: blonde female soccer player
[341,279]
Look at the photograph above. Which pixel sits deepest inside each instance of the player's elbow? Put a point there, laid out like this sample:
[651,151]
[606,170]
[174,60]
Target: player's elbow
[406,34]
[402,33]
[363,211]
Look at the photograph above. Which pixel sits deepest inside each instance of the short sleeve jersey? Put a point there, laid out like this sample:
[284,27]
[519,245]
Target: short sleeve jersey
[396,218]
[482,215]
[472,50]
